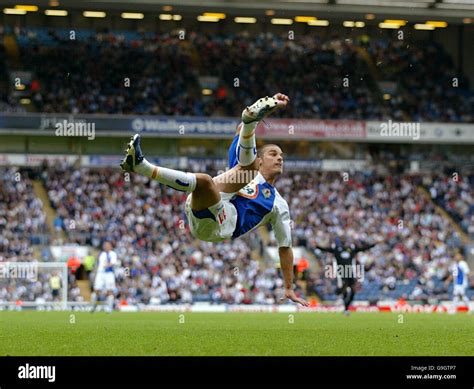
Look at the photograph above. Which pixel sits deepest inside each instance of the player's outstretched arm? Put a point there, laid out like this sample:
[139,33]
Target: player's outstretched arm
[286,263]
[325,249]
[365,247]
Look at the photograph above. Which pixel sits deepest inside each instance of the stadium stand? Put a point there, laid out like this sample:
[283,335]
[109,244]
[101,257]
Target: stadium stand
[164,74]
[162,263]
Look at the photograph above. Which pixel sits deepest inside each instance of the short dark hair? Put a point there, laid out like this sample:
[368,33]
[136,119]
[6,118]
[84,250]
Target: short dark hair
[261,150]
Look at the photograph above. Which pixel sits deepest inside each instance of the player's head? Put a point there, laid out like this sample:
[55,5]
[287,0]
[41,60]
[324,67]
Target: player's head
[107,246]
[270,160]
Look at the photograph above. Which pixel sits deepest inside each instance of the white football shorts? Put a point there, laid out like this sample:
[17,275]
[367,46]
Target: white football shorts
[104,281]
[214,224]
[459,289]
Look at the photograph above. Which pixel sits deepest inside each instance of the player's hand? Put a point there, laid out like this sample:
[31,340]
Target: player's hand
[290,294]
[282,99]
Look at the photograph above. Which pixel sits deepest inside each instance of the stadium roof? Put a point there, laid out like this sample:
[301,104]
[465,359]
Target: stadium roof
[449,10]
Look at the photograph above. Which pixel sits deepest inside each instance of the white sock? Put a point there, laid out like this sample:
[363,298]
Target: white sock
[93,298]
[110,302]
[247,146]
[176,179]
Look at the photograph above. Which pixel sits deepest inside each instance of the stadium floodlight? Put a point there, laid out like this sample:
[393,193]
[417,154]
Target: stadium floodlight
[217,15]
[245,20]
[400,22]
[170,17]
[318,23]
[132,15]
[437,24]
[94,14]
[14,11]
[420,26]
[282,21]
[391,26]
[27,8]
[304,19]
[202,18]
[55,12]
[350,24]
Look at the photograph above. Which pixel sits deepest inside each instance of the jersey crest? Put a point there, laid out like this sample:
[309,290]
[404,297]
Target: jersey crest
[250,191]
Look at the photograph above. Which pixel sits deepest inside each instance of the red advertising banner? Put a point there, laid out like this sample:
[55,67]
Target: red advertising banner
[310,128]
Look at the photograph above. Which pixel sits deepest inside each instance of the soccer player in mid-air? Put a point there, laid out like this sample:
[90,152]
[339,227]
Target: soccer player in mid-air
[232,204]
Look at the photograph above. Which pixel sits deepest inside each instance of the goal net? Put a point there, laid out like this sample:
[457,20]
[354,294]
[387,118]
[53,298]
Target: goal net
[33,285]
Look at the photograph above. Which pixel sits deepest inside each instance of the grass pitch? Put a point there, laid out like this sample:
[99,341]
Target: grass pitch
[234,334]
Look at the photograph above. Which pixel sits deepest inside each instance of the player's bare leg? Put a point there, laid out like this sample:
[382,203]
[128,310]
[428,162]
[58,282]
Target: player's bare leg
[93,301]
[206,193]
[110,301]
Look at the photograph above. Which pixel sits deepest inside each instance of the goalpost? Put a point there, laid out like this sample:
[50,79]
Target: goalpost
[31,284]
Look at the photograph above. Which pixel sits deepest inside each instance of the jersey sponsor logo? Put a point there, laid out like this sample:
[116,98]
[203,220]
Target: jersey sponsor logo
[345,255]
[221,216]
[249,191]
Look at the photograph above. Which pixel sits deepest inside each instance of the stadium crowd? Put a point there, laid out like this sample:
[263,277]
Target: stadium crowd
[455,193]
[161,263]
[418,244]
[163,74]
[428,86]
[22,220]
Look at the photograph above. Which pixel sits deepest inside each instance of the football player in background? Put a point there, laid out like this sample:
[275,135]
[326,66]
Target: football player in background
[460,278]
[345,258]
[104,284]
